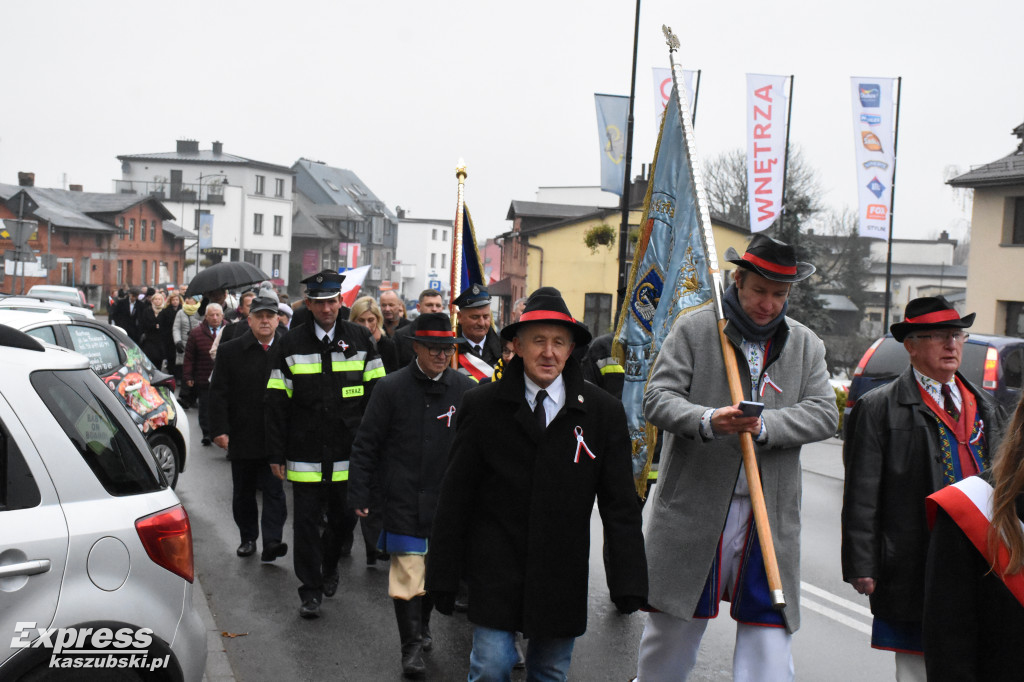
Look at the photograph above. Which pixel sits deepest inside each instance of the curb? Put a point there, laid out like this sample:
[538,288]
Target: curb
[218,668]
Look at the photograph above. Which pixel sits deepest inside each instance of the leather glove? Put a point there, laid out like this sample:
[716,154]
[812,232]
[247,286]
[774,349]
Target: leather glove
[444,602]
[628,604]
[180,346]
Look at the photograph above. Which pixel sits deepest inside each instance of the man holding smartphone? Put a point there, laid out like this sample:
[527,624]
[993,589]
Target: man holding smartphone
[701,544]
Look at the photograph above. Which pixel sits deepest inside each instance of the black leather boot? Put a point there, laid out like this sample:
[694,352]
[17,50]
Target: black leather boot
[428,606]
[410,617]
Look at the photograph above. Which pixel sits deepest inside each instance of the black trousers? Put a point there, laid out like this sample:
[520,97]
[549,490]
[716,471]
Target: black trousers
[247,477]
[317,553]
[202,395]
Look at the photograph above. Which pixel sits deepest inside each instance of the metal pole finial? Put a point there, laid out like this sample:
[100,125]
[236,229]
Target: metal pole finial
[460,169]
[670,38]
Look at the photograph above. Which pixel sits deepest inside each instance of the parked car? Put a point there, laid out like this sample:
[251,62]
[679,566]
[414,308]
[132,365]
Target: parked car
[95,548]
[72,295]
[147,393]
[41,304]
[995,363]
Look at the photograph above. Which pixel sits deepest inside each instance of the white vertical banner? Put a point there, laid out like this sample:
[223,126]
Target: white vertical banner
[767,108]
[873,138]
[663,88]
[612,119]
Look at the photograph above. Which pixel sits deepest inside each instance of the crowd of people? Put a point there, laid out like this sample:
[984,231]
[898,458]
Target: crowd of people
[471,455]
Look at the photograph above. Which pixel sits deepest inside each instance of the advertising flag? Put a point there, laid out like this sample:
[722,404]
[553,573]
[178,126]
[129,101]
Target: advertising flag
[767,107]
[663,88]
[873,140]
[612,118]
[205,231]
[669,276]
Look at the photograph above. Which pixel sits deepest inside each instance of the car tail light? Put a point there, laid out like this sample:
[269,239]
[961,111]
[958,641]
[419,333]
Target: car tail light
[864,363]
[167,537]
[990,376]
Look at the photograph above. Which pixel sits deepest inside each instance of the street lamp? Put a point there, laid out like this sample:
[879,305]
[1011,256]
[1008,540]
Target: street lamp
[199,202]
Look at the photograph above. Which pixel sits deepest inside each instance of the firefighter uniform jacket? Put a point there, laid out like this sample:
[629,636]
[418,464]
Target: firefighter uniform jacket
[315,399]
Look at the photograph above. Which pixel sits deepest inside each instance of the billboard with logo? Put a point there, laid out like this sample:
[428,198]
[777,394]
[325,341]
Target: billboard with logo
[874,137]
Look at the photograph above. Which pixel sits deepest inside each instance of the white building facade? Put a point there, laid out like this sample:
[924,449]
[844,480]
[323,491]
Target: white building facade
[423,256]
[250,203]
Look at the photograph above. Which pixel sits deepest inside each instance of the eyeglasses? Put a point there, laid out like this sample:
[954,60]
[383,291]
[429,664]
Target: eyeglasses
[438,351]
[943,337]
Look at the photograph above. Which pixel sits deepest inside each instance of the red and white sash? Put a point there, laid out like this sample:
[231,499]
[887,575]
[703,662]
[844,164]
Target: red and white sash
[969,504]
[475,367]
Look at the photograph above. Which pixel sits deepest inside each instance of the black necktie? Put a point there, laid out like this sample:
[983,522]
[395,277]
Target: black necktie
[948,404]
[327,341]
[538,410]
[475,350]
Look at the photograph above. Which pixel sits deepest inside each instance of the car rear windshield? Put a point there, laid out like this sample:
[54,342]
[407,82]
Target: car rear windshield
[100,429]
[891,358]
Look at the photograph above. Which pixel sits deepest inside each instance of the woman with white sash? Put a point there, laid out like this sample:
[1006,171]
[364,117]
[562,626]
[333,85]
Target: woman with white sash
[974,583]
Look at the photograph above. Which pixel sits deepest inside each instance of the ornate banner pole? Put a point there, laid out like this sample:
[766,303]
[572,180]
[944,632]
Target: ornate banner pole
[455,286]
[764,532]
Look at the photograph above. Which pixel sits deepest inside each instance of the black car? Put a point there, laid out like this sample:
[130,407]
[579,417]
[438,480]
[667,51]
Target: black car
[995,363]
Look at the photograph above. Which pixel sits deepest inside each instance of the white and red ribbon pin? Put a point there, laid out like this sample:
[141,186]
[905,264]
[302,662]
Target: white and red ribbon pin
[766,382]
[342,345]
[448,415]
[580,445]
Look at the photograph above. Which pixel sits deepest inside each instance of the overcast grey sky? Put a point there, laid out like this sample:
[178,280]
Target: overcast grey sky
[399,91]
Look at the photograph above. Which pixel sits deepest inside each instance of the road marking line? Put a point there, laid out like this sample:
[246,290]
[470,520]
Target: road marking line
[836,616]
[845,603]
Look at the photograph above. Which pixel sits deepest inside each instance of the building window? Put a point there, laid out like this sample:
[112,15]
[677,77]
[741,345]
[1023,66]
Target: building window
[257,260]
[444,235]
[145,271]
[597,313]
[433,260]
[120,272]
[433,235]
[120,226]
[131,229]
[257,223]
[99,242]
[142,230]
[260,184]
[152,231]
[1014,318]
[275,268]
[66,237]
[278,225]
[1017,237]
[176,280]
[444,259]
[279,187]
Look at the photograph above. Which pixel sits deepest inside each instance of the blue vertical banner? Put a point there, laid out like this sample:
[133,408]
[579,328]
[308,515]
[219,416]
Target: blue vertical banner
[612,119]
[205,231]
[669,277]
[472,266]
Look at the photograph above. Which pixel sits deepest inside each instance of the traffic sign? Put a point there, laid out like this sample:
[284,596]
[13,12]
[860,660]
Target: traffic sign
[435,284]
[22,204]
[19,231]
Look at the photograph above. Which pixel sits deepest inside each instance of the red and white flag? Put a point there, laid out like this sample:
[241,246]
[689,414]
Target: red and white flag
[352,283]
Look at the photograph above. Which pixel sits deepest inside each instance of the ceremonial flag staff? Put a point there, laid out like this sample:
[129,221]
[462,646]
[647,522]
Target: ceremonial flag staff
[455,284]
[892,206]
[626,182]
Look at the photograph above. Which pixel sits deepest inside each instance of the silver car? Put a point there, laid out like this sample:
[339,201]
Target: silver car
[96,563]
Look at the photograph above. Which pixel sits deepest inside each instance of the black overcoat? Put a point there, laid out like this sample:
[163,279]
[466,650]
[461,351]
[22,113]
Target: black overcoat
[893,462]
[237,390]
[515,507]
[403,442]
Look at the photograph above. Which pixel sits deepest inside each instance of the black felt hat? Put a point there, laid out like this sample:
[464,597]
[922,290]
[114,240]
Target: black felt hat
[771,259]
[546,305]
[434,328]
[930,312]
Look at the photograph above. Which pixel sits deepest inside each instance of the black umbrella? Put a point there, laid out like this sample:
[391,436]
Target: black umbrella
[225,275]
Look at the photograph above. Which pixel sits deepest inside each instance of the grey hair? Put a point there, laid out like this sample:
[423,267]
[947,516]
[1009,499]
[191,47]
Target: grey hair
[218,306]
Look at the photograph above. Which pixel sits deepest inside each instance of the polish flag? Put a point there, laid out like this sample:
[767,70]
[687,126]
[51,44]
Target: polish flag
[352,283]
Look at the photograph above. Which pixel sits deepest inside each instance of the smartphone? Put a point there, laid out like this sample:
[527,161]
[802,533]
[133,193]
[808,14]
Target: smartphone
[751,409]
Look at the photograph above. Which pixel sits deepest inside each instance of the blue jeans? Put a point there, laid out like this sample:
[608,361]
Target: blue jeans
[494,654]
